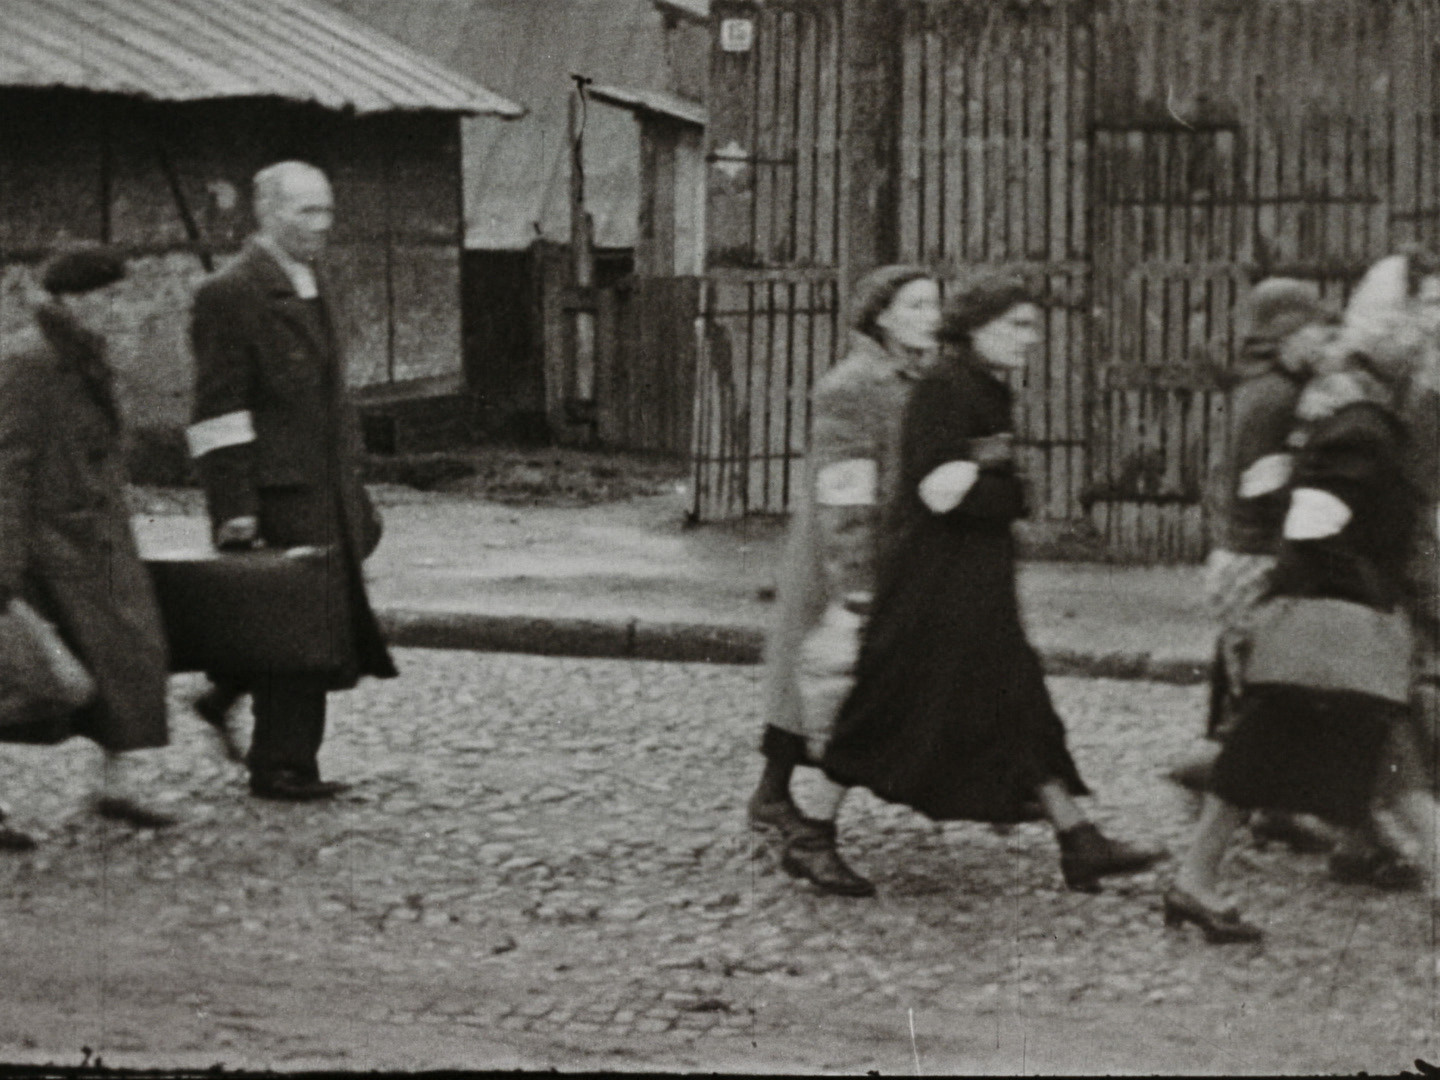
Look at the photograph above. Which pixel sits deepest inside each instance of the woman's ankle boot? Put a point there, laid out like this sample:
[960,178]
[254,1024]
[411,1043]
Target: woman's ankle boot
[1087,855]
[811,853]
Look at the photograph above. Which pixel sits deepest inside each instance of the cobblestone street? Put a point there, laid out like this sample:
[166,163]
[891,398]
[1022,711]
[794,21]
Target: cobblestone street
[545,862]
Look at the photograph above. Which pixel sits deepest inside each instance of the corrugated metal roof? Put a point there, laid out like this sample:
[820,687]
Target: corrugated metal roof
[517,173]
[659,102]
[190,50]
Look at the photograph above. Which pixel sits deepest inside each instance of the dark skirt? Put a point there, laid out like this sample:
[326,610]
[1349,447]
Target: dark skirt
[950,713]
[1306,751]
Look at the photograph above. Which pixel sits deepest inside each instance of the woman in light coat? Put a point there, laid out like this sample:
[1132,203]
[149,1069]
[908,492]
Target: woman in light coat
[65,541]
[834,543]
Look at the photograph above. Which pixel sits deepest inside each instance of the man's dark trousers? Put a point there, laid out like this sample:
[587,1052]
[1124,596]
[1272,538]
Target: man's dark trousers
[289,724]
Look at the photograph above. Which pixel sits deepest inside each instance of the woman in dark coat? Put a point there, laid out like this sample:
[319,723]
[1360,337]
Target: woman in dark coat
[65,540]
[950,713]
[1310,740]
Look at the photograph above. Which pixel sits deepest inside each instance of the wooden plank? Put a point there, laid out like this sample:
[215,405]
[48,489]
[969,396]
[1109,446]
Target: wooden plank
[932,232]
[1403,194]
[805,103]
[1082,108]
[614,399]
[1038,60]
[1427,196]
[729,206]
[953,59]
[912,82]
[827,165]
[767,105]
[977,147]
[1016,44]
[997,71]
[1289,137]
[425,284]
[1055,393]
[787,101]
[1057,150]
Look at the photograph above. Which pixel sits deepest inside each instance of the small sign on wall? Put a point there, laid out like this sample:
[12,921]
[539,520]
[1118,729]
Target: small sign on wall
[737,35]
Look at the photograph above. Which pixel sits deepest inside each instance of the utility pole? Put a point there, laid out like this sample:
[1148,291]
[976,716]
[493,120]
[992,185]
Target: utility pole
[580,389]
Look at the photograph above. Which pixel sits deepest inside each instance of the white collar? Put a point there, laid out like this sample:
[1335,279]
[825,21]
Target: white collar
[302,276]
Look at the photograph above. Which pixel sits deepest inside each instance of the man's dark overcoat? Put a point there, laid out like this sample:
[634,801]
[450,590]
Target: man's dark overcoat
[265,355]
[65,539]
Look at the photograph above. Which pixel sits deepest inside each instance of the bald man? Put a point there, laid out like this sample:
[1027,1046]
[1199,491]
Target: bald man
[277,446]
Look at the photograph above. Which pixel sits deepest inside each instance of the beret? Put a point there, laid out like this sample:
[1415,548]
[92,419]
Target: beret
[1277,307]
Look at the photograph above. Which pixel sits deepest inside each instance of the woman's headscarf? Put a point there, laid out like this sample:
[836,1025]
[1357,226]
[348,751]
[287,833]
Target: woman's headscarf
[980,300]
[876,291]
[1382,330]
[1382,344]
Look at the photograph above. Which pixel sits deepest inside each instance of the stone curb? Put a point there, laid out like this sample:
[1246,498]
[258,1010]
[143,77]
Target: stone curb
[639,639]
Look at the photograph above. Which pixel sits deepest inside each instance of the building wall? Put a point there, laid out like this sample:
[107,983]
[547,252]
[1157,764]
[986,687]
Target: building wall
[90,167]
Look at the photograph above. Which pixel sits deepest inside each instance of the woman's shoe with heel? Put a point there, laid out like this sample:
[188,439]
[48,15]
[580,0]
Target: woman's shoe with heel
[1220,926]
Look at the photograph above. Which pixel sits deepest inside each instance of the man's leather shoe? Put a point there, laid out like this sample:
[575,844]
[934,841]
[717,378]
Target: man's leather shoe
[127,810]
[291,786]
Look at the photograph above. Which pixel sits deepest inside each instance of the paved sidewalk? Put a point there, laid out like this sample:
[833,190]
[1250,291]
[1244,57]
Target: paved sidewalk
[630,579]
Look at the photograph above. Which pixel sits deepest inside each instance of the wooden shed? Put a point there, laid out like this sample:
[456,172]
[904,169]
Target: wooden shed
[518,216]
[140,123]
[1145,159]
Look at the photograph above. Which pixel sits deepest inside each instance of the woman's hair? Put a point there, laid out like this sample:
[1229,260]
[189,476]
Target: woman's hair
[980,300]
[876,291]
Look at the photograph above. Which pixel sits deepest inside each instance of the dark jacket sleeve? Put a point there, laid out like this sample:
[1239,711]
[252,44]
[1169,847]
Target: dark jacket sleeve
[1347,455]
[1354,457]
[224,378]
[1264,411]
[940,427]
[22,394]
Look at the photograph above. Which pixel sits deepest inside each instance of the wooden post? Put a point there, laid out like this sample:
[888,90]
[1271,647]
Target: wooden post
[870,90]
[581,382]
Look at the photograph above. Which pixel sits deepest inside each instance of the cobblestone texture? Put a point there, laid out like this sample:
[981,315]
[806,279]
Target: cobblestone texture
[556,849]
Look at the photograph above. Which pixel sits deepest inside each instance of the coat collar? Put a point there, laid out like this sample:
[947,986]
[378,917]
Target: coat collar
[266,271]
[279,291]
[909,366]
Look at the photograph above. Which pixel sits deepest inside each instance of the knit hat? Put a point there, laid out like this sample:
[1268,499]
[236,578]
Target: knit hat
[1277,307]
[981,299]
[81,269]
[876,291]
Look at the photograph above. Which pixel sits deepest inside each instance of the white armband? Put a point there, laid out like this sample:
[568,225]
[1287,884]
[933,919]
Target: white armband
[1314,515]
[847,483]
[1265,475]
[947,485]
[229,429]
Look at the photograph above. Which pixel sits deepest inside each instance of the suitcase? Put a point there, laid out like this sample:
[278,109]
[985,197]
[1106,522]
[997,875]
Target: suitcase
[268,610]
